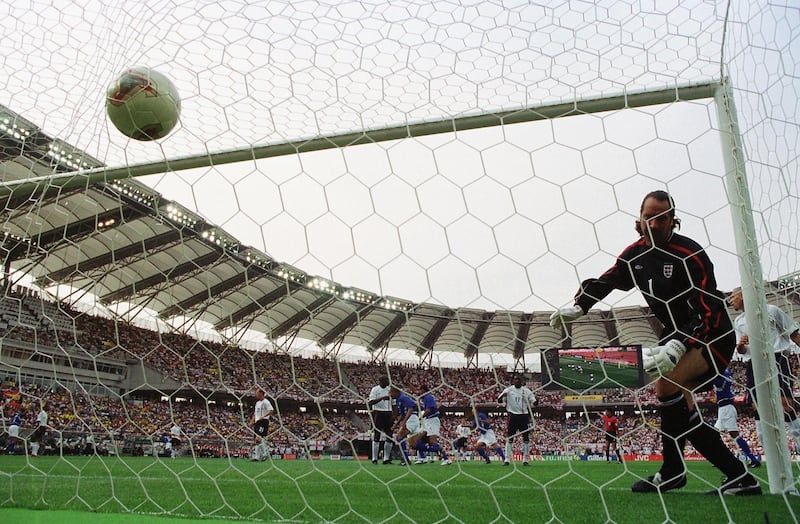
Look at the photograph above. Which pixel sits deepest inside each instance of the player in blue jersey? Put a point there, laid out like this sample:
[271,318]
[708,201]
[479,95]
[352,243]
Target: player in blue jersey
[486,439]
[726,415]
[428,442]
[407,427]
[676,278]
[13,432]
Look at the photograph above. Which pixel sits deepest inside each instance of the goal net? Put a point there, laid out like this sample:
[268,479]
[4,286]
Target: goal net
[367,189]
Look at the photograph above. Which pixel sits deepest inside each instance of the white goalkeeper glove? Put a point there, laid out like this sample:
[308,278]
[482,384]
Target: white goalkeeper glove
[662,359]
[564,316]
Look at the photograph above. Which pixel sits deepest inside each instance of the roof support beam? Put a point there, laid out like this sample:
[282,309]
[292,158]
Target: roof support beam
[137,248]
[161,277]
[255,306]
[74,231]
[251,273]
[386,334]
[299,317]
[341,329]
[523,331]
[425,349]
[471,350]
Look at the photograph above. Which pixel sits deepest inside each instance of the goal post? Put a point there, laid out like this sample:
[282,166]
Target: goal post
[765,372]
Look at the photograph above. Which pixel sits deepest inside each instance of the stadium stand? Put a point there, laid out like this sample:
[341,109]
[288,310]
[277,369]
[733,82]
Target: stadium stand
[87,373]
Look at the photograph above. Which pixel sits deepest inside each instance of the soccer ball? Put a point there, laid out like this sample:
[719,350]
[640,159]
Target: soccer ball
[143,104]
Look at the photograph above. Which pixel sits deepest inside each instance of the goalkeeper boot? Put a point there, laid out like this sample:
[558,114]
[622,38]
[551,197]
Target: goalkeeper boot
[743,485]
[658,484]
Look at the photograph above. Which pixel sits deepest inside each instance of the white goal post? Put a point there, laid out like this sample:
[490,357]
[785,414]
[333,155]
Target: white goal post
[765,371]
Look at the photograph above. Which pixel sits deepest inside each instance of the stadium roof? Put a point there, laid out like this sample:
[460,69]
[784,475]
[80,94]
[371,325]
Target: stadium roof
[123,242]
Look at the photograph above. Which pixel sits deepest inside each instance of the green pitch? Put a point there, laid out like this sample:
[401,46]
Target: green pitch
[574,379]
[358,491]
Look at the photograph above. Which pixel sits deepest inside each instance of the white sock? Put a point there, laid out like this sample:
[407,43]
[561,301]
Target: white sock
[375,447]
[508,451]
[759,433]
[387,450]
[526,451]
[34,448]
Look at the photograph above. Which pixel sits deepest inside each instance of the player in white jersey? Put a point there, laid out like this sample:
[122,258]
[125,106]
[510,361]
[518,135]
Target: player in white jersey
[37,439]
[519,402]
[175,439]
[786,335]
[261,413]
[380,404]
[460,445]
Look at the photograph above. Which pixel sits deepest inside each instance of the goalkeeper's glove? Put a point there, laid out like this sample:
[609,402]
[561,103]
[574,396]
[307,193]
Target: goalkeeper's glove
[564,316]
[662,359]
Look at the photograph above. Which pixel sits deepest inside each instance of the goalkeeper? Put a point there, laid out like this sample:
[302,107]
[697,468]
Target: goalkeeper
[676,278]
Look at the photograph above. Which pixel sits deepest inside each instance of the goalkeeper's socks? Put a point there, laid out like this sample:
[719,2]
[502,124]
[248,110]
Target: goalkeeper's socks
[375,447]
[674,423]
[708,442]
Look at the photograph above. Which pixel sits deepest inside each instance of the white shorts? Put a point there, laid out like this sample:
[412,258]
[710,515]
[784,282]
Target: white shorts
[726,418]
[13,431]
[412,425]
[431,426]
[488,438]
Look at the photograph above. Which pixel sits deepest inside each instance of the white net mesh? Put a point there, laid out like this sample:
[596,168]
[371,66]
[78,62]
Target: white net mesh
[362,189]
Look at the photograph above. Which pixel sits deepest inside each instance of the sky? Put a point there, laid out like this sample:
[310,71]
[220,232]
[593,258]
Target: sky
[503,218]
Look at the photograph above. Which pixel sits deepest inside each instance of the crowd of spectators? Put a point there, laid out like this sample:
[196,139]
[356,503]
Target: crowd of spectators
[321,402]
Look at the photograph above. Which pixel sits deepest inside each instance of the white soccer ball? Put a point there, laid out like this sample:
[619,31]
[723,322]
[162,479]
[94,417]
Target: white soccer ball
[143,104]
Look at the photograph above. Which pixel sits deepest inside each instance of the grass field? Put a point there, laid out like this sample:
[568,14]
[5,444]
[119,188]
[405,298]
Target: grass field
[351,491]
